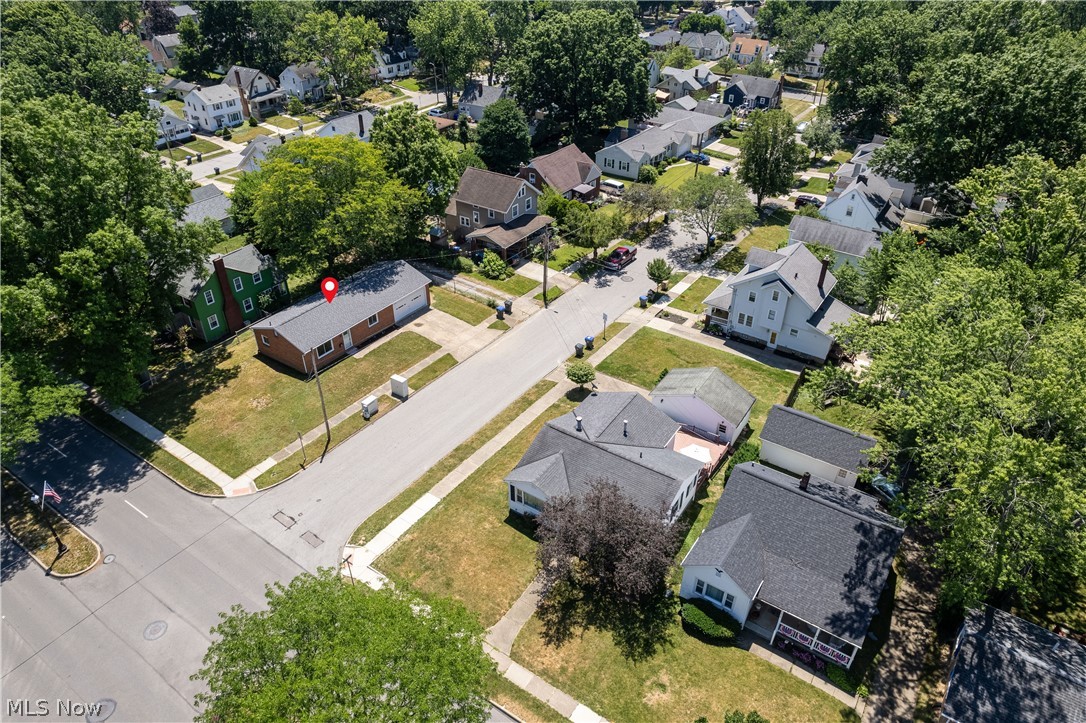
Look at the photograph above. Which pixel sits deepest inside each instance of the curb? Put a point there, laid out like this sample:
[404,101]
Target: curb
[71,524]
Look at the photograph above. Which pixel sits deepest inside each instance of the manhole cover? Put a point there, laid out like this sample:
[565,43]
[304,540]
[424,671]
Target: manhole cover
[626,277]
[155,630]
[312,539]
[284,519]
[101,710]
[108,559]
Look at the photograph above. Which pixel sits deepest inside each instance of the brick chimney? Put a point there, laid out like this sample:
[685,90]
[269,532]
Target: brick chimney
[241,92]
[234,318]
[822,273]
[804,481]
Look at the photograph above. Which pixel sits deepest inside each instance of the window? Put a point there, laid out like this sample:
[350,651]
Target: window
[750,319]
[731,97]
[325,349]
[516,210]
[793,333]
[751,296]
[257,278]
[518,495]
[520,193]
[848,211]
[531,177]
[238,283]
[729,600]
[264,339]
[490,213]
[248,305]
[465,221]
[528,204]
[772,315]
[372,321]
[776,296]
[742,318]
[209,297]
[706,590]
[475,216]
[213,322]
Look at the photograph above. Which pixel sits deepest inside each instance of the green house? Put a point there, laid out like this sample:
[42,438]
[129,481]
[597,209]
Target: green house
[224,297]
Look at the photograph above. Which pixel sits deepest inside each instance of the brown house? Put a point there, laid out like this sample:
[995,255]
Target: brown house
[569,171]
[496,212]
[314,333]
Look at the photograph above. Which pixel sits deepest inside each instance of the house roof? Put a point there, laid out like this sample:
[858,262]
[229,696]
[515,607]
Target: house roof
[482,95]
[169,40]
[796,267]
[843,239]
[210,205]
[202,193]
[247,260]
[677,119]
[355,124]
[507,234]
[754,86]
[823,554]
[687,102]
[646,144]
[566,168]
[833,311]
[487,189]
[703,40]
[691,78]
[171,83]
[313,321]
[182,11]
[749,46]
[877,192]
[663,38]
[722,393]
[623,439]
[304,71]
[216,93]
[1008,670]
[248,77]
[720,297]
[817,438]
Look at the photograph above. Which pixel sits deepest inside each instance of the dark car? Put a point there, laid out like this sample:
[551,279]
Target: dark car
[725,171]
[699,158]
[802,201]
[619,258]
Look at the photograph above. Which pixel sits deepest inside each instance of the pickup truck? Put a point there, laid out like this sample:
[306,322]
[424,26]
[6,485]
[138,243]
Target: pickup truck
[619,258]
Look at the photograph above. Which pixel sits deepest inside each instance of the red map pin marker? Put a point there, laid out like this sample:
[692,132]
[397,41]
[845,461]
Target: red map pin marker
[329,287]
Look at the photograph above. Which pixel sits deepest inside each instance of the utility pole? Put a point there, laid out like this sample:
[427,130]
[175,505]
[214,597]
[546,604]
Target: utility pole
[324,411]
[546,260]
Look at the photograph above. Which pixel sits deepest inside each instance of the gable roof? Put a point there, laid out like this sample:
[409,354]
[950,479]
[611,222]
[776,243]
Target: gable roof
[248,77]
[1008,670]
[843,239]
[507,234]
[202,193]
[755,86]
[168,41]
[207,204]
[487,189]
[878,193]
[817,438]
[566,168]
[216,93]
[678,119]
[354,124]
[703,40]
[477,93]
[247,260]
[823,554]
[647,144]
[687,102]
[796,267]
[663,38]
[749,46]
[691,78]
[313,321]
[182,11]
[722,393]
[304,71]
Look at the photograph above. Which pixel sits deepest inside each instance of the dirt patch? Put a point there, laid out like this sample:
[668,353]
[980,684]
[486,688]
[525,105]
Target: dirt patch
[261,402]
[658,689]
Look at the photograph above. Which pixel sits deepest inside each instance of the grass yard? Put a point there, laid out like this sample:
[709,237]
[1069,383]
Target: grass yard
[553,292]
[458,305]
[678,174]
[566,254]
[470,547]
[231,244]
[690,300]
[848,414]
[196,145]
[648,352]
[675,278]
[210,407]
[525,706]
[177,106]
[28,523]
[769,234]
[613,330]
[821,186]
[839,157]
[431,372]
[794,106]
[283,121]
[410,84]
[245,133]
[718,154]
[499,324]
[515,285]
[380,519]
[382,94]
[683,682]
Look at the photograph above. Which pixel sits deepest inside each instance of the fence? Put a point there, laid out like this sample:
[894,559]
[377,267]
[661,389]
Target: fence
[791,399]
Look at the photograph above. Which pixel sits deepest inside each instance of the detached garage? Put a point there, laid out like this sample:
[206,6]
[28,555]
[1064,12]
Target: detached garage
[314,333]
[802,443]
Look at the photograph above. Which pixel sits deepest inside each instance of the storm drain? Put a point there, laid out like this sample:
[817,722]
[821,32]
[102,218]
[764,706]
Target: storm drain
[108,559]
[283,519]
[312,539]
[627,278]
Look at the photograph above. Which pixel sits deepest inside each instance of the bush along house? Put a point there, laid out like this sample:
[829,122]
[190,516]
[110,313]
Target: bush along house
[800,562]
[225,295]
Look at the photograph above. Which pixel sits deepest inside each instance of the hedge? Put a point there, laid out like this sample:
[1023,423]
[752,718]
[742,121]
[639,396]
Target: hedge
[846,680]
[704,621]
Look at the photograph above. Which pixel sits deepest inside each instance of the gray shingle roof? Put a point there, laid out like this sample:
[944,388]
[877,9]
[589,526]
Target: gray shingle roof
[843,239]
[202,193]
[663,38]
[313,321]
[754,86]
[211,205]
[487,189]
[712,386]
[247,259]
[1008,670]
[216,93]
[566,168]
[817,438]
[482,95]
[355,124]
[833,311]
[169,40]
[824,553]
[304,71]
[797,268]
[248,77]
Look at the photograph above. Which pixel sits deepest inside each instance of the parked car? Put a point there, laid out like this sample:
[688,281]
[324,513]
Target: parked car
[889,493]
[802,127]
[436,111]
[802,201]
[619,258]
[714,98]
[610,185]
[699,158]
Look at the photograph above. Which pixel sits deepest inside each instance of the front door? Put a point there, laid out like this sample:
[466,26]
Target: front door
[347,340]
[773,338]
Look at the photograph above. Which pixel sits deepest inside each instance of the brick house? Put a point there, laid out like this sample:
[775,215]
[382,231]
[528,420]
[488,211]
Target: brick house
[315,333]
[569,171]
[497,212]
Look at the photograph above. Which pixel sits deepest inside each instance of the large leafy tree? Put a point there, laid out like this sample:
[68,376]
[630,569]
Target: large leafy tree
[392,15]
[324,203]
[112,15]
[712,205]
[324,649]
[341,46]
[158,19]
[504,143]
[416,154]
[454,36]
[604,562]
[253,33]
[49,48]
[769,155]
[195,56]
[587,66]
[510,18]
[821,137]
[642,201]
[587,229]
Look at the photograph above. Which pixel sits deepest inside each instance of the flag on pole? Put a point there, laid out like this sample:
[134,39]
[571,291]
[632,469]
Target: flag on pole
[49,492]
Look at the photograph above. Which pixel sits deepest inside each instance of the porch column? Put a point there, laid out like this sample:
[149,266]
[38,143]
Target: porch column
[776,627]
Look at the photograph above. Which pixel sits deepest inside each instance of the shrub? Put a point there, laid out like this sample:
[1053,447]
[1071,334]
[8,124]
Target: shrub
[737,716]
[846,680]
[227,134]
[295,106]
[253,122]
[580,372]
[704,621]
[647,174]
[746,452]
[662,375]
[493,267]
[463,263]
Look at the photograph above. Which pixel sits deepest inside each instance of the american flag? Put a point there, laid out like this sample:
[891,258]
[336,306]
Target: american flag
[49,492]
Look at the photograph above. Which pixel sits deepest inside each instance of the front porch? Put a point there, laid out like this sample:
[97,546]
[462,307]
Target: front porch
[775,625]
[513,240]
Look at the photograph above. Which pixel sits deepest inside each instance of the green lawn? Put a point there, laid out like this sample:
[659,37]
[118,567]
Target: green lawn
[848,414]
[515,285]
[566,254]
[675,278]
[613,330]
[690,300]
[196,145]
[245,133]
[648,352]
[470,547]
[718,154]
[431,372]
[499,324]
[841,156]
[679,173]
[177,106]
[821,186]
[794,106]
[409,83]
[380,519]
[682,682]
[213,405]
[553,292]
[458,305]
[770,234]
[522,704]
[231,244]
[283,121]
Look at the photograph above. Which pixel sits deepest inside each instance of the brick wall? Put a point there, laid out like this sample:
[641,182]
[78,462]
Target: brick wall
[283,351]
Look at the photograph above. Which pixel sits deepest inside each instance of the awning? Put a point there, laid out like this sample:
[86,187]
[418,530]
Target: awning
[584,188]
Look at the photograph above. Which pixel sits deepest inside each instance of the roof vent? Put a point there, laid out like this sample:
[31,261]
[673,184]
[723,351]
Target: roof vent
[625,428]
[804,481]
[579,429]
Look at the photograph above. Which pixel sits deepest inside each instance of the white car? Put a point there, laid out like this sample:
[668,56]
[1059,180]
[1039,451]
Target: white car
[802,127]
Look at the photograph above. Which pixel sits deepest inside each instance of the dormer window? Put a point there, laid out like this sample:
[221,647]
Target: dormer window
[520,194]
[751,297]
[776,295]
[531,177]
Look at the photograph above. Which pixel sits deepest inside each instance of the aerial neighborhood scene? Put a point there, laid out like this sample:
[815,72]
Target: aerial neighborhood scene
[543,360]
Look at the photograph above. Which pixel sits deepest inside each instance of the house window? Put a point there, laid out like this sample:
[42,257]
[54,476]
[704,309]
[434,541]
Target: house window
[518,495]
[793,332]
[848,211]
[521,192]
[372,321]
[516,210]
[248,305]
[238,283]
[742,317]
[490,213]
[750,319]
[465,221]
[776,296]
[751,296]
[772,315]
[475,216]
[213,322]
[325,349]
[209,297]
[531,177]
[528,204]
[257,278]
[265,341]
[708,591]
[731,97]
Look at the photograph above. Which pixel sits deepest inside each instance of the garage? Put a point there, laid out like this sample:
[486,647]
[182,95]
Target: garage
[409,304]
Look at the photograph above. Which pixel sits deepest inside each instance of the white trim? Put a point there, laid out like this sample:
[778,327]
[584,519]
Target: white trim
[210,293]
[238,283]
[213,318]
[257,278]
[373,320]
[248,305]
[331,348]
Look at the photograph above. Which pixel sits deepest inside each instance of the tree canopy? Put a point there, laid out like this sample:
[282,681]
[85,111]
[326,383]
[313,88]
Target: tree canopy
[714,204]
[454,36]
[416,154]
[342,47]
[504,143]
[769,154]
[253,33]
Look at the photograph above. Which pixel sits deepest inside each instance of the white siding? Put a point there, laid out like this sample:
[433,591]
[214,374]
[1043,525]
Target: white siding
[621,165]
[799,463]
[718,579]
[790,313]
[695,413]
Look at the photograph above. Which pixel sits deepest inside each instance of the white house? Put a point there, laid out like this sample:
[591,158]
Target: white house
[477,97]
[671,133]
[866,203]
[392,63]
[706,400]
[901,193]
[781,300]
[811,67]
[849,245]
[358,125]
[303,81]
[706,46]
[170,127]
[616,436]
[738,20]
[800,562]
[802,443]
[256,150]
[213,107]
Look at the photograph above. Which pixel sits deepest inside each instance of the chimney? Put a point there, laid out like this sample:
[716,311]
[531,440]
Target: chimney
[235,320]
[579,429]
[625,428]
[241,93]
[822,273]
[804,481]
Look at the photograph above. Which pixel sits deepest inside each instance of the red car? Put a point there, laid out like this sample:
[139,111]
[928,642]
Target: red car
[619,258]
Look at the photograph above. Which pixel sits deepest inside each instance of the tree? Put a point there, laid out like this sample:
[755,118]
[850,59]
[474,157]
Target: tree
[882,266]
[659,271]
[849,286]
[680,56]
[416,153]
[510,18]
[737,716]
[647,175]
[714,204]
[392,15]
[320,203]
[759,68]
[821,137]
[644,201]
[342,47]
[463,129]
[701,23]
[468,158]
[327,649]
[580,372]
[110,16]
[553,204]
[589,230]
[587,65]
[454,36]
[603,563]
[769,155]
[195,56]
[504,143]
[158,18]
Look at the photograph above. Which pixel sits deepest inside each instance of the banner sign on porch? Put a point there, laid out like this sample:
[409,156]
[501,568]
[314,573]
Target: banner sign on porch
[790,632]
[832,653]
